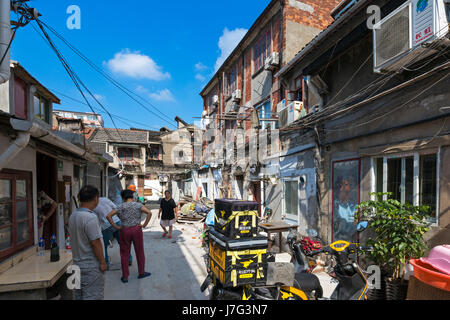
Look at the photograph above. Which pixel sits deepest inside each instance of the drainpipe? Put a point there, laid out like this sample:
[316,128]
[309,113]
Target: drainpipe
[5,38]
[9,154]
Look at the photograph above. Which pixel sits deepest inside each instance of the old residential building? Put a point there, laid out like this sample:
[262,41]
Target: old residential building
[377,118]
[246,83]
[150,160]
[34,158]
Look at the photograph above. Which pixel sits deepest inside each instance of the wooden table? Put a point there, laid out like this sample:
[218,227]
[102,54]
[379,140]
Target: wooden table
[35,273]
[277,227]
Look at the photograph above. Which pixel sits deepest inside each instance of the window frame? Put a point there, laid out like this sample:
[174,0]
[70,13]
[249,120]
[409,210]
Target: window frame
[151,152]
[416,179]
[290,216]
[125,158]
[15,176]
[44,115]
[261,107]
[261,50]
[231,78]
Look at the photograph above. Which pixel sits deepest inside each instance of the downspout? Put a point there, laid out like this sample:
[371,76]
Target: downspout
[5,39]
[18,145]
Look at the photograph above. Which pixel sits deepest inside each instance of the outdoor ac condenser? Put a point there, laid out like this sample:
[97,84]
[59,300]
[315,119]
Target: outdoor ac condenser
[408,33]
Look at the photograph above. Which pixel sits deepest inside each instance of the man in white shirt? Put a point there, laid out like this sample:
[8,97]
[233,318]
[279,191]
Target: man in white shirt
[104,207]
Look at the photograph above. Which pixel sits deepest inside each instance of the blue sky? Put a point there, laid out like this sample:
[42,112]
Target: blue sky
[166,51]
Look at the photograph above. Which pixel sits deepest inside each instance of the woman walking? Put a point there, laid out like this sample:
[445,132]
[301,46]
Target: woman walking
[169,213]
[130,214]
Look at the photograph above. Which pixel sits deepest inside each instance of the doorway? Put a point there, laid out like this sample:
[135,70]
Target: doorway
[46,181]
[256,191]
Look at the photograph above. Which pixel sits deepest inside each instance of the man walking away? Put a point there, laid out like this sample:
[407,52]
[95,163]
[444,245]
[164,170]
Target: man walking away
[87,246]
[169,213]
[104,207]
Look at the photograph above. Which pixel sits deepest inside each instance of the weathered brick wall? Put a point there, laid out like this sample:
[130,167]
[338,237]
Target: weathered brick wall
[248,75]
[310,18]
[315,13]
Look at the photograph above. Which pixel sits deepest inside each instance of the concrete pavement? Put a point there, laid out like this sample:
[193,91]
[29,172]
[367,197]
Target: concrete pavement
[178,267]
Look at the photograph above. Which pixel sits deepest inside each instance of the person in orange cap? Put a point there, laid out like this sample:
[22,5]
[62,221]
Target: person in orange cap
[133,188]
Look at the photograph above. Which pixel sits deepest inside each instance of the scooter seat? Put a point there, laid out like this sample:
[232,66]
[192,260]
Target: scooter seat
[309,282]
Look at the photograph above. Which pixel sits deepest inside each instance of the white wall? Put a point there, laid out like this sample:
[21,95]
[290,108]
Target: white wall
[4,97]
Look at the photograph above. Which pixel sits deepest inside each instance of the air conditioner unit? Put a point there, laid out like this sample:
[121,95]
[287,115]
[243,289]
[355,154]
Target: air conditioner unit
[215,100]
[281,106]
[273,61]
[408,32]
[237,95]
[293,112]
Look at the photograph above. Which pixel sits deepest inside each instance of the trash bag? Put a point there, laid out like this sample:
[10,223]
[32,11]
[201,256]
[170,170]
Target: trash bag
[201,209]
[186,209]
[210,218]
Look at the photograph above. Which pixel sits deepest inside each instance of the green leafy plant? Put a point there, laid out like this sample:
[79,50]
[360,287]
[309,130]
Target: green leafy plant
[399,229]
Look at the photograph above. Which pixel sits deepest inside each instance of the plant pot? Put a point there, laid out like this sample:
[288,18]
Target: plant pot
[378,294]
[396,289]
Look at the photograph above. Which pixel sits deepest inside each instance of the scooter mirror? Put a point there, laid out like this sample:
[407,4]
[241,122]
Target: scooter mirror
[362,226]
[312,233]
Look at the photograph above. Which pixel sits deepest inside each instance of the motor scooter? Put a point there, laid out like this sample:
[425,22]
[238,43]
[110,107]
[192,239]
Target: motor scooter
[352,282]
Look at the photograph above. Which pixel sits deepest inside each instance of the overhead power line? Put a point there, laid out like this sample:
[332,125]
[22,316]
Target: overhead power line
[131,94]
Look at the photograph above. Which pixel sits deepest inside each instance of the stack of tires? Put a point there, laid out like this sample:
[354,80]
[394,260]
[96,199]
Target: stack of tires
[237,253]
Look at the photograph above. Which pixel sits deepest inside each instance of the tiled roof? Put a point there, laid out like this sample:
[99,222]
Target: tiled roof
[119,135]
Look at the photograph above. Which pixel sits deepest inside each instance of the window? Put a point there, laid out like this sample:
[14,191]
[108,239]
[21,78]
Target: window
[397,175]
[231,81]
[41,108]
[16,219]
[265,112]
[92,118]
[261,51]
[428,183]
[20,99]
[153,153]
[126,154]
[291,199]
[346,197]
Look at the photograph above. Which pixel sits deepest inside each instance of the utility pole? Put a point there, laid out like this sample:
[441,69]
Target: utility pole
[5,40]
[25,14]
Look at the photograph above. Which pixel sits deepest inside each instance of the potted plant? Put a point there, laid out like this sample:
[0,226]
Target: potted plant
[399,230]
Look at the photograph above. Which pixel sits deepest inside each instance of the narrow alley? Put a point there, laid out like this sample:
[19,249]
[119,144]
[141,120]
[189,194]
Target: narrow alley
[177,266]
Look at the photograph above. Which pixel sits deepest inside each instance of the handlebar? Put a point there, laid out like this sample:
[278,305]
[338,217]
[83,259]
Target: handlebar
[352,248]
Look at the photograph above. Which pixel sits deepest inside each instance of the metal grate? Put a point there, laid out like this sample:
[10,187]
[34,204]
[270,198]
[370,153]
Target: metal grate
[393,37]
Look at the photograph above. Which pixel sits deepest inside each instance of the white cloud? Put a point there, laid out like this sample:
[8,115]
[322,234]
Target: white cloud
[162,95]
[200,77]
[227,43]
[136,65]
[200,67]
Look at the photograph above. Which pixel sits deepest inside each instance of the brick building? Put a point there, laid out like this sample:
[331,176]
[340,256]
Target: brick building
[245,84]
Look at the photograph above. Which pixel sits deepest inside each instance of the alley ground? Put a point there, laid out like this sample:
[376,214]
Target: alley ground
[178,267]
